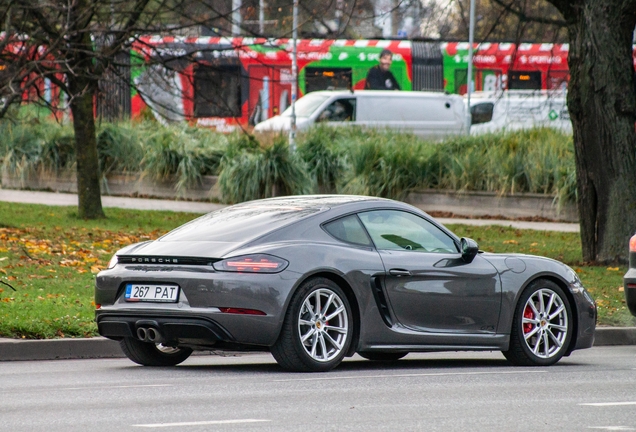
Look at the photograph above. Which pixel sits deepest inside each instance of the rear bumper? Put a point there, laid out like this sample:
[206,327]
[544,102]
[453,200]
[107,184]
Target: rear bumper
[190,327]
[173,330]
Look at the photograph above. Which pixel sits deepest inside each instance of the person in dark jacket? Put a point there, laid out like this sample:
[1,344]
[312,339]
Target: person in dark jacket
[380,77]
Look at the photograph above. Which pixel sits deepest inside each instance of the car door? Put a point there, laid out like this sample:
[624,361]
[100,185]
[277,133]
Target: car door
[428,285]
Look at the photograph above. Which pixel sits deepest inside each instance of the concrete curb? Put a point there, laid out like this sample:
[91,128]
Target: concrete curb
[605,336]
[58,349]
[98,347]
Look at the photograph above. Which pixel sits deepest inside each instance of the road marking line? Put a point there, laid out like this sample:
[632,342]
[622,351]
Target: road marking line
[117,387]
[604,404]
[409,375]
[200,423]
[613,428]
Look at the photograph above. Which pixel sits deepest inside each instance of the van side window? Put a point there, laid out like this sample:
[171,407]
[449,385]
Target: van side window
[481,113]
[340,110]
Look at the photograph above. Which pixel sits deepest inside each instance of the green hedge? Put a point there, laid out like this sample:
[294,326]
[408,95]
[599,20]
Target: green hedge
[328,160]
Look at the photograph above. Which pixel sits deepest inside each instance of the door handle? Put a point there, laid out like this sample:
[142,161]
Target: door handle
[399,272]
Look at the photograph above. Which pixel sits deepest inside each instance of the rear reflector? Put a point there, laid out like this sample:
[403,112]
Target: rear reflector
[632,244]
[631,285]
[241,311]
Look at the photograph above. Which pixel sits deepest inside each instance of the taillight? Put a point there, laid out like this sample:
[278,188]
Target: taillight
[632,244]
[113,262]
[257,263]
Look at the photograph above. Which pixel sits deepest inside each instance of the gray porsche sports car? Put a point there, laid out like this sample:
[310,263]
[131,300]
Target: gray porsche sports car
[316,278]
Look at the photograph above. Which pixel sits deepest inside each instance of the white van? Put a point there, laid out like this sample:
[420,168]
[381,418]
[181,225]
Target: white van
[426,114]
[518,109]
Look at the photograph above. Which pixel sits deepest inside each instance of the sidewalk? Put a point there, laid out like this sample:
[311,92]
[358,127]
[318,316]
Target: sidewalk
[51,349]
[64,199]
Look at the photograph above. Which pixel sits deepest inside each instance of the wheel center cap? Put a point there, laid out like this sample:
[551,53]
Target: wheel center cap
[544,323]
[319,325]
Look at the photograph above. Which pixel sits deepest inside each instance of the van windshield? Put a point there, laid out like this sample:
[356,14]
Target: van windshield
[307,105]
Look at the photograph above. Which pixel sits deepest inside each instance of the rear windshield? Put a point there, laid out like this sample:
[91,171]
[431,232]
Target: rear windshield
[239,223]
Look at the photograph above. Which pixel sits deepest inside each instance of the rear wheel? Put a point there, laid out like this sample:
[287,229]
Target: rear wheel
[382,356]
[542,326]
[150,354]
[318,328]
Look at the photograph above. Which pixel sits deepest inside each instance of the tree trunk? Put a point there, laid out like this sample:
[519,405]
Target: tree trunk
[89,195]
[602,107]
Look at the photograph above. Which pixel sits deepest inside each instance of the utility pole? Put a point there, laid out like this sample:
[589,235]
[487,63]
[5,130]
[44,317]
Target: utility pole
[294,89]
[236,17]
[261,17]
[471,40]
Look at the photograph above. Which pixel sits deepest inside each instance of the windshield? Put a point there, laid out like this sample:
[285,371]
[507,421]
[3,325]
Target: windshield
[306,105]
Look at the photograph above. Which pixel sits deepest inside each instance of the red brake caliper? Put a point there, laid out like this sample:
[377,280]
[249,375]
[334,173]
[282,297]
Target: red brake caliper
[527,313]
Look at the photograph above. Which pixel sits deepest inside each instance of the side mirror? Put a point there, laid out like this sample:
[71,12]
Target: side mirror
[469,249]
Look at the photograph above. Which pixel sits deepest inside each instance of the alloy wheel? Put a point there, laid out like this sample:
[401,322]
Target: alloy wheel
[545,323]
[323,325]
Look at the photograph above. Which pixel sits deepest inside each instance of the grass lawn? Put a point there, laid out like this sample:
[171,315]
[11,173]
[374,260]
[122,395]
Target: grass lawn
[51,257]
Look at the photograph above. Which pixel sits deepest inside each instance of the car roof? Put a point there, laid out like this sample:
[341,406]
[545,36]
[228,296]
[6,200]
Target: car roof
[307,202]
[247,221]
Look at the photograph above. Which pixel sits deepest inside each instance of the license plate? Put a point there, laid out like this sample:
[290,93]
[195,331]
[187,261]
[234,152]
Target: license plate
[152,293]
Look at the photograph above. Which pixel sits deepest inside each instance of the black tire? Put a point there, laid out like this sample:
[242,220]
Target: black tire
[150,354]
[382,356]
[540,340]
[291,352]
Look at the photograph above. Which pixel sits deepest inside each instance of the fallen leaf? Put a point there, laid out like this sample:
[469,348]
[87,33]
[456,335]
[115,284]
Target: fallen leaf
[612,268]
[621,289]
[511,242]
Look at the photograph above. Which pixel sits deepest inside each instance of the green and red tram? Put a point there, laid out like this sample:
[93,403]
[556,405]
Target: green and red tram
[224,82]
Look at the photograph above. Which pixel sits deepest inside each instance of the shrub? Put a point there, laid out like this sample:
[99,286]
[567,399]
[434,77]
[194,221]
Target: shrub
[184,152]
[326,159]
[249,171]
[31,147]
[119,147]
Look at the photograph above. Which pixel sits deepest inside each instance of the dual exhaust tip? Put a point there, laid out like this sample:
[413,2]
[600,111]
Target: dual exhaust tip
[149,334]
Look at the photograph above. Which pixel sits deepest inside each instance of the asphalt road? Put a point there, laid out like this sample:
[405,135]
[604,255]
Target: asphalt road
[594,389]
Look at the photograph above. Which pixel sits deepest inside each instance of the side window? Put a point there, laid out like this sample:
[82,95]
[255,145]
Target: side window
[481,113]
[348,229]
[399,230]
[341,110]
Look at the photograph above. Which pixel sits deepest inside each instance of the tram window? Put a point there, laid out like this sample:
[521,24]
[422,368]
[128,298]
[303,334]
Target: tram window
[327,79]
[217,91]
[524,80]
[481,112]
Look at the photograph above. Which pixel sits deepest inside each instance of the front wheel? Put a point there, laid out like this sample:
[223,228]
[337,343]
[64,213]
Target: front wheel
[317,330]
[150,354]
[542,326]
